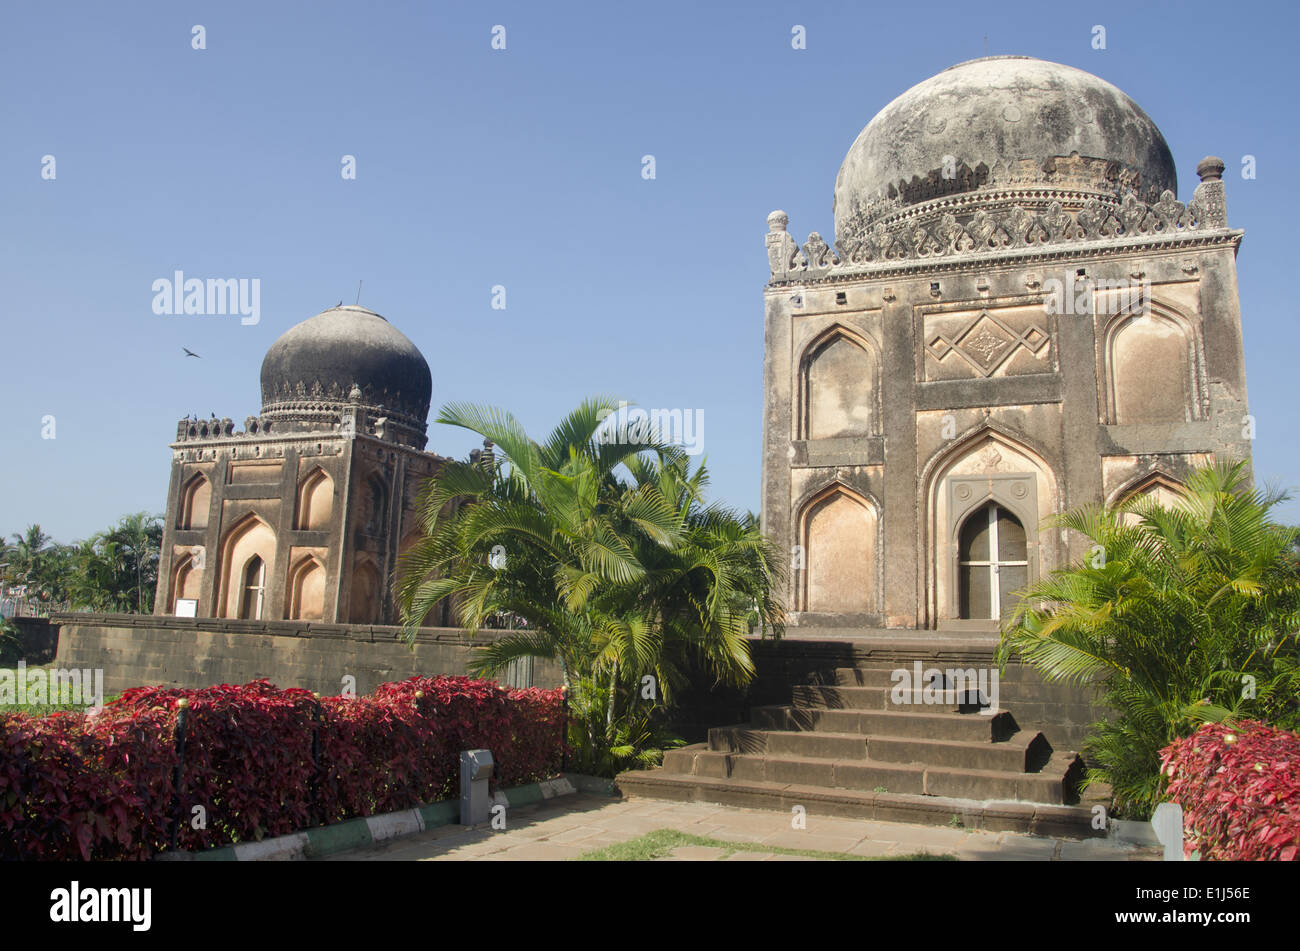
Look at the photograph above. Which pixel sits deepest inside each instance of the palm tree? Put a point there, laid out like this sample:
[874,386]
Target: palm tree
[28,556]
[95,567]
[616,579]
[138,537]
[1181,614]
[702,593]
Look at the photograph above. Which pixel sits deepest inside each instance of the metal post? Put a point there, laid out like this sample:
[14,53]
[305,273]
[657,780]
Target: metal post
[312,817]
[182,716]
[475,774]
[418,796]
[564,730]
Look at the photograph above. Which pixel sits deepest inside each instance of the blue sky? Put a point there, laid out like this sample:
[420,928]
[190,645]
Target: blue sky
[521,168]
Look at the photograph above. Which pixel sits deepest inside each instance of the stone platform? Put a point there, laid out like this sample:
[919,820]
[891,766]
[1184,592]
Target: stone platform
[848,740]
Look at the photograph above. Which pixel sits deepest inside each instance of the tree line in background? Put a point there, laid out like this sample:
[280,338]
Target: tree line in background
[113,570]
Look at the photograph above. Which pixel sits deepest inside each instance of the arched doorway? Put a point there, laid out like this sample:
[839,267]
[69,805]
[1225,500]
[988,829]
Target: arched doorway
[959,481]
[992,563]
[250,538]
[254,589]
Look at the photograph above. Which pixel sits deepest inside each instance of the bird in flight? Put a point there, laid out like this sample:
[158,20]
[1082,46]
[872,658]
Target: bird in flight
[190,353]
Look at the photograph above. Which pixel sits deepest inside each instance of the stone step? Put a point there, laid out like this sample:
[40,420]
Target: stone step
[942,725]
[686,761]
[1057,783]
[888,675]
[1022,753]
[809,771]
[894,640]
[834,774]
[883,698]
[818,744]
[865,676]
[992,816]
[1027,683]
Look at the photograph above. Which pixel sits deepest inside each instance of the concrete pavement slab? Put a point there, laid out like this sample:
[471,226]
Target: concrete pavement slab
[565,828]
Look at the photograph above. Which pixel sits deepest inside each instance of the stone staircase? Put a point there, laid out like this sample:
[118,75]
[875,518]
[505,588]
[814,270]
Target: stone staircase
[855,745]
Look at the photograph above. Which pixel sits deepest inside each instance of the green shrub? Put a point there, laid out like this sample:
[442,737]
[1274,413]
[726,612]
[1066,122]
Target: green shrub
[1182,614]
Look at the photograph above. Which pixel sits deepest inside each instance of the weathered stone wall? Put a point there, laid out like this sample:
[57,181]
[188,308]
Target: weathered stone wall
[926,380]
[137,650]
[36,641]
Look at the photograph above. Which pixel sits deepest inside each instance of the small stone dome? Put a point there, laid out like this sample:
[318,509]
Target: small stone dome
[1013,115]
[347,354]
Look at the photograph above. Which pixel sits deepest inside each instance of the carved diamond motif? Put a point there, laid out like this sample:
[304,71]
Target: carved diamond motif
[939,347]
[1034,338]
[986,343]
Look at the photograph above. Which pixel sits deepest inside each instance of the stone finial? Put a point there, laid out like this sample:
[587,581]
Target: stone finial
[1210,169]
[781,248]
[354,394]
[1210,199]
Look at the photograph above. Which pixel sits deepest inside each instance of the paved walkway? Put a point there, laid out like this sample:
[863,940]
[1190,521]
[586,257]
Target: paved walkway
[565,828]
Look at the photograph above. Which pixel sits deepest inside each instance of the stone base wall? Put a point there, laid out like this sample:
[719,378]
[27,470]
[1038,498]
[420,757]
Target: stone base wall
[139,650]
[36,641]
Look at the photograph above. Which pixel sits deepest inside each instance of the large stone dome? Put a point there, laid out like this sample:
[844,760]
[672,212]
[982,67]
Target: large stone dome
[346,354]
[1003,120]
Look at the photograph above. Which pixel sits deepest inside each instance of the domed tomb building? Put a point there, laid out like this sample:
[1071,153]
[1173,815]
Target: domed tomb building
[1017,316]
[302,514]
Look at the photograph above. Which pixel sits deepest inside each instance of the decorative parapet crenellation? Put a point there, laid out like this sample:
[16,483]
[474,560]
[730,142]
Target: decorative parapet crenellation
[307,419]
[192,428]
[993,220]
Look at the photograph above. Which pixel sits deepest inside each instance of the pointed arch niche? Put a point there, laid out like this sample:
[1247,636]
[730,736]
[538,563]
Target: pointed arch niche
[372,505]
[988,485]
[839,386]
[1164,489]
[1152,368]
[364,598]
[196,498]
[307,590]
[840,534]
[248,540]
[315,501]
[187,577]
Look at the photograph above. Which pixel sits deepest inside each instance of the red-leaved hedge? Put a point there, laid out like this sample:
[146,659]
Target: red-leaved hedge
[1239,788]
[81,787]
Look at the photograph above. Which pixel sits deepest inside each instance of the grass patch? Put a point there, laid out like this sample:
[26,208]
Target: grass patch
[41,709]
[662,842]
